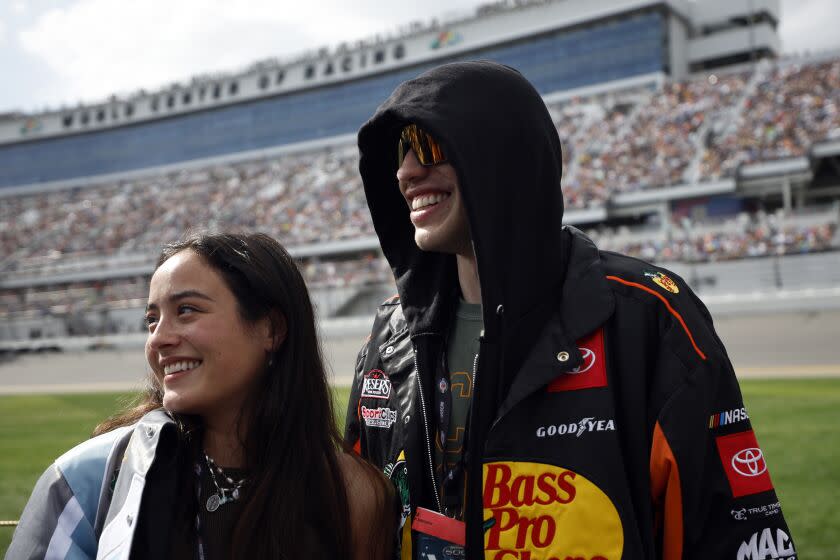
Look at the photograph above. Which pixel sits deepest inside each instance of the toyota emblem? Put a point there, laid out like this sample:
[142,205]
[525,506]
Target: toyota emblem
[749,462]
[588,361]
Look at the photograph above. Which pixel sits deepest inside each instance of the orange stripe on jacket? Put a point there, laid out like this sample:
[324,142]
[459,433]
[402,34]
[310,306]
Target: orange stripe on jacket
[667,305]
[666,492]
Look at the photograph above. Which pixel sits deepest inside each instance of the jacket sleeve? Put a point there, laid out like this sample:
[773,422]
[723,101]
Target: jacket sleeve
[710,483]
[54,523]
[352,428]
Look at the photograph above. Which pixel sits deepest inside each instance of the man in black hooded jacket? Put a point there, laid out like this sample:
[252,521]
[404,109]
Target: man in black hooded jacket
[598,417]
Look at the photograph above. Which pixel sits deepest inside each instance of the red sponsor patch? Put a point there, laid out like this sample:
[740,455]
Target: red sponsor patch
[591,373]
[744,464]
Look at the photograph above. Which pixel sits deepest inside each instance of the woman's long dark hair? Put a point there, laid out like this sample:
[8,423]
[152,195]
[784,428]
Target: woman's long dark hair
[291,443]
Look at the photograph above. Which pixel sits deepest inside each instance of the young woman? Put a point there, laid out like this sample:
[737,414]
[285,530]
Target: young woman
[233,452]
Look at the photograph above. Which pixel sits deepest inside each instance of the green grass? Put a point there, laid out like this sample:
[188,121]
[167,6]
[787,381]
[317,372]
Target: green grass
[795,420]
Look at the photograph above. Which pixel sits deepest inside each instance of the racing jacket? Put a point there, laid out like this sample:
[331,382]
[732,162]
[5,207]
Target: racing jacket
[87,504]
[606,421]
[622,435]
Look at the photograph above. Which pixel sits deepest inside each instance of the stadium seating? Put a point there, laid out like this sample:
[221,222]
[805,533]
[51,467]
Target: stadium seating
[615,142]
[791,107]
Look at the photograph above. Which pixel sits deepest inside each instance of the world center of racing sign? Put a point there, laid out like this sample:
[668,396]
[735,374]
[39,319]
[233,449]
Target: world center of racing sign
[535,511]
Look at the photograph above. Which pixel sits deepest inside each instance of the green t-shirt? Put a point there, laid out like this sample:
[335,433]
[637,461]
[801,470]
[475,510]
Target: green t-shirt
[461,352]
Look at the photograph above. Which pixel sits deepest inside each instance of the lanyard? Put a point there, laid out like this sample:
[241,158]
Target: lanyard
[449,477]
[199,541]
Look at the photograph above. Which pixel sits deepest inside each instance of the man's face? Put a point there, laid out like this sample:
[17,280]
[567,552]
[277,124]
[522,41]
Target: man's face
[437,209]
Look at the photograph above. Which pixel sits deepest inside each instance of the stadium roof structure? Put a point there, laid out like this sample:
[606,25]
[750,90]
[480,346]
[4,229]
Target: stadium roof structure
[693,35]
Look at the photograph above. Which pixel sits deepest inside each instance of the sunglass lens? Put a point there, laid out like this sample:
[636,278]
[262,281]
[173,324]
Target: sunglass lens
[427,150]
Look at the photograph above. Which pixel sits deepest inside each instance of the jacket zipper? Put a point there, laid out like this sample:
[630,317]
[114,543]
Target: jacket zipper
[475,372]
[431,463]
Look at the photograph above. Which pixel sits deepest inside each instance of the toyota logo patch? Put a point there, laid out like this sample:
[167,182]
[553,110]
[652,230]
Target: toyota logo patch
[588,361]
[744,464]
[749,462]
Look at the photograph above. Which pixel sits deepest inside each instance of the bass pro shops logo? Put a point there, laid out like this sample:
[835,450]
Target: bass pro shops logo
[535,511]
[663,281]
[767,545]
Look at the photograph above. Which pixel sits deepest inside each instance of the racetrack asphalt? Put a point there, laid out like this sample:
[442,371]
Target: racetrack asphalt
[770,345]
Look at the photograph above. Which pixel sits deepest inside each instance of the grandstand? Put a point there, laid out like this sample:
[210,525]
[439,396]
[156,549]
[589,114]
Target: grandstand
[687,141]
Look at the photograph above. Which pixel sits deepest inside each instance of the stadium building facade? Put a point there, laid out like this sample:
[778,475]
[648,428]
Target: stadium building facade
[558,45]
[685,141]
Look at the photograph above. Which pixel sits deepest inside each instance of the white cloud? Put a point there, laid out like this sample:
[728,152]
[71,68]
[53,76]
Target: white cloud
[809,25]
[90,49]
[98,47]
[2,31]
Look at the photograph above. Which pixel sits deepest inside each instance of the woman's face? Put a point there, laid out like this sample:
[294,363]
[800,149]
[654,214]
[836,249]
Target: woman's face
[206,357]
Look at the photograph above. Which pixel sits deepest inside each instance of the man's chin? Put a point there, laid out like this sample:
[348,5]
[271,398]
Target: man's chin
[430,242]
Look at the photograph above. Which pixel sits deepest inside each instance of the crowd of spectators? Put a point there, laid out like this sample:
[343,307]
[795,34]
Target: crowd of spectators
[614,142]
[585,126]
[63,298]
[300,199]
[746,236]
[369,269]
[652,143]
[792,107]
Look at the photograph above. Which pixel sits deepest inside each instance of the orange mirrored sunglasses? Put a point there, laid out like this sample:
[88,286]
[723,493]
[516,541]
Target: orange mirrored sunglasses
[424,146]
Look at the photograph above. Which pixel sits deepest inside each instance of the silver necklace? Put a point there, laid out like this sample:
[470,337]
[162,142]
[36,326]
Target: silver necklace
[223,495]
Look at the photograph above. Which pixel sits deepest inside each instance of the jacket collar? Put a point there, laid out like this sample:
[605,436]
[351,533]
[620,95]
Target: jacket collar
[586,303]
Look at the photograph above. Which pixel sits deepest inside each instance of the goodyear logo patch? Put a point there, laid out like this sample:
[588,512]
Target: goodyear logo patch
[535,511]
[663,281]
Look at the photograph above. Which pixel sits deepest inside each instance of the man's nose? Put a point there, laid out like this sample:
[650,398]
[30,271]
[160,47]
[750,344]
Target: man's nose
[410,169]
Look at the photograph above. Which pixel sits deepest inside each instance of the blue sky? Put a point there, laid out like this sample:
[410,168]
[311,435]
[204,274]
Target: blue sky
[61,52]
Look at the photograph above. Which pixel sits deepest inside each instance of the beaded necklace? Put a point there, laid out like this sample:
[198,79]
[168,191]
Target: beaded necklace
[215,500]
[223,494]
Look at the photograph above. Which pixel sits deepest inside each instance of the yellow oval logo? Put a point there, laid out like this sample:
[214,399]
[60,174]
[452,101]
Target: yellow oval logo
[535,511]
[663,281]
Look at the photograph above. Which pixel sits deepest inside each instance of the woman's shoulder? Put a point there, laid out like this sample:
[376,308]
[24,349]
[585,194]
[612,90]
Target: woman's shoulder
[98,448]
[91,452]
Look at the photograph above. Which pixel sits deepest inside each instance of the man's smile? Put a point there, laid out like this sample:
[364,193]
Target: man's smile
[426,200]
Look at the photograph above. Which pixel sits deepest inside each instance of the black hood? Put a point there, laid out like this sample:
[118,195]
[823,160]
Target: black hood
[498,134]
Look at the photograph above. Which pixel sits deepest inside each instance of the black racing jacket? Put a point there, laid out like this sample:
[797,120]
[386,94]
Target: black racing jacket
[622,435]
[606,421]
